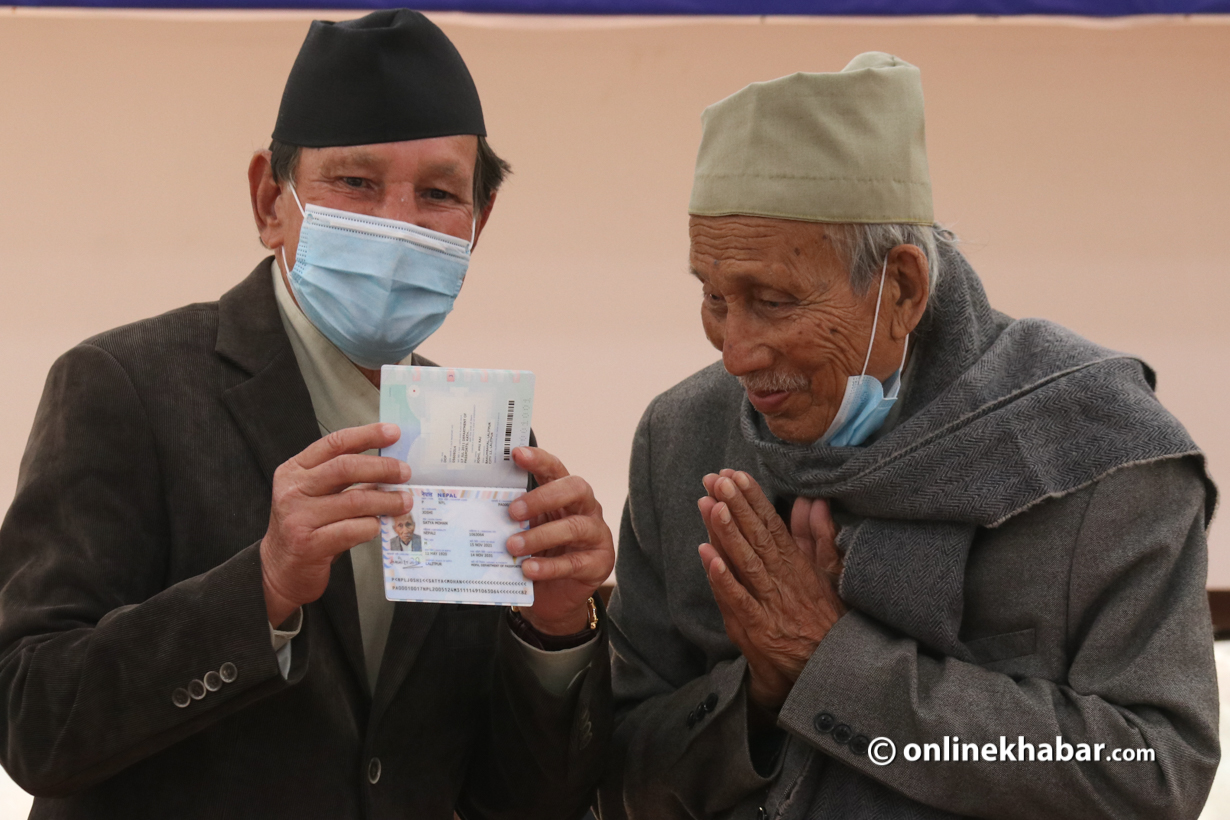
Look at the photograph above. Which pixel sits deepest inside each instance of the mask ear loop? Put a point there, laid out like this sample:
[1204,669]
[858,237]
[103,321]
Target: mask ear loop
[875,321]
[282,248]
[293,193]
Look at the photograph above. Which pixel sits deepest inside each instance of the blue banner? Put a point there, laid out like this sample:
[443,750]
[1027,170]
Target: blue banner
[1086,8]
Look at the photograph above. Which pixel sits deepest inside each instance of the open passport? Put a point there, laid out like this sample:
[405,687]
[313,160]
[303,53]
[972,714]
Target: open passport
[458,430]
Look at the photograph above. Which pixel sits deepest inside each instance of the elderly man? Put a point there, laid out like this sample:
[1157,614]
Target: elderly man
[973,581]
[404,536]
[192,617]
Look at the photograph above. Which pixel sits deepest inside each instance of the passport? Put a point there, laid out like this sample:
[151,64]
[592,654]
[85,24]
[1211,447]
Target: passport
[459,427]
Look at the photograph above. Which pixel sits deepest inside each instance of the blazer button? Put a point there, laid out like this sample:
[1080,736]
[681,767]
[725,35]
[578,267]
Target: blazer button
[213,681]
[373,771]
[842,733]
[710,703]
[228,672]
[196,689]
[181,698]
[859,744]
[824,723]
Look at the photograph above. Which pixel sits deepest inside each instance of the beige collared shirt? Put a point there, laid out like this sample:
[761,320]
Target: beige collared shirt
[343,397]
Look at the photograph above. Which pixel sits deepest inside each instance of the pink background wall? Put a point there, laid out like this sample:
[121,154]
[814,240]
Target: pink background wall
[1085,166]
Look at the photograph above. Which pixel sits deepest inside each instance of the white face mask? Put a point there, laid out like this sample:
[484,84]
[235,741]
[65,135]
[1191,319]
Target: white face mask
[867,402]
[375,287]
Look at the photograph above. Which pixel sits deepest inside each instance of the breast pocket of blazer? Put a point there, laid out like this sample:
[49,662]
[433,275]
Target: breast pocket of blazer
[1002,647]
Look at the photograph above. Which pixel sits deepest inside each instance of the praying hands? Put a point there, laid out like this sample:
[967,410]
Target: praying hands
[776,587]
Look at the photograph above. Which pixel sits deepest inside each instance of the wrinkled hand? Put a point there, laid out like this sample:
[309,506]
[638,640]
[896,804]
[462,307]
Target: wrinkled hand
[777,591]
[572,546]
[316,515]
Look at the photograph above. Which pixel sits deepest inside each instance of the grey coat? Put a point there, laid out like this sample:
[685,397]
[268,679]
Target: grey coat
[130,569]
[1086,616]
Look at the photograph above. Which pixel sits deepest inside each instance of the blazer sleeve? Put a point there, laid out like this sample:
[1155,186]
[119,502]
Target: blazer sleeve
[681,747]
[97,653]
[1141,678]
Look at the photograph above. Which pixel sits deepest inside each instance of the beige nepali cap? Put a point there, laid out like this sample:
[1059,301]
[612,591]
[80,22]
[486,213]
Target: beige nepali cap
[845,147]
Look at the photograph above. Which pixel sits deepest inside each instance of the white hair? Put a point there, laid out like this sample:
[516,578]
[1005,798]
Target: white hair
[865,247]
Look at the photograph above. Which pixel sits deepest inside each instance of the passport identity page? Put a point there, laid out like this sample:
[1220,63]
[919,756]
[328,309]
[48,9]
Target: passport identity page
[458,430]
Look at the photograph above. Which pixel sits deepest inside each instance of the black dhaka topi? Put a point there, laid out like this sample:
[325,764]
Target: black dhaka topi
[389,76]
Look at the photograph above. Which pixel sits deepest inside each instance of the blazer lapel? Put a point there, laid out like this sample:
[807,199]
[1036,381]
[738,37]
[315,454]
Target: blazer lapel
[265,391]
[342,605]
[411,624]
[268,399]
[273,411]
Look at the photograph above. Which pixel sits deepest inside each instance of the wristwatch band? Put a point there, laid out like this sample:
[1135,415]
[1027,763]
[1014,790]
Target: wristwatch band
[552,643]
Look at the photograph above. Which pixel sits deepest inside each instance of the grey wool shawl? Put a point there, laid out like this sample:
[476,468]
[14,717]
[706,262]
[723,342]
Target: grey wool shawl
[1001,416]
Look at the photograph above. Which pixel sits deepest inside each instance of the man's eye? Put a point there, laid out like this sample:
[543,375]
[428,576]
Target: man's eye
[436,193]
[354,182]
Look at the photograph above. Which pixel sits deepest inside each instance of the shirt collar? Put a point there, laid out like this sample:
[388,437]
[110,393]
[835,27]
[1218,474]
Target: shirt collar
[341,395]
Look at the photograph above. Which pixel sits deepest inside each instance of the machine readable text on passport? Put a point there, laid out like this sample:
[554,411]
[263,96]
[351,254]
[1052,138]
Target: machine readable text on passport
[458,430]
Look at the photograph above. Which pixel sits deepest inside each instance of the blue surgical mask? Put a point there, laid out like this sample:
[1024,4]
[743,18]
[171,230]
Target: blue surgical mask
[375,287]
[867,402]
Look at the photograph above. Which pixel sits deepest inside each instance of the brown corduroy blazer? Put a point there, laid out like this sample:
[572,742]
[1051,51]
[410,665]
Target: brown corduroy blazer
[130,569]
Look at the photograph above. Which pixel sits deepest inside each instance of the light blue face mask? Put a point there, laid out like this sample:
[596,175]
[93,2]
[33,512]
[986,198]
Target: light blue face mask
[375,287]
[867,402]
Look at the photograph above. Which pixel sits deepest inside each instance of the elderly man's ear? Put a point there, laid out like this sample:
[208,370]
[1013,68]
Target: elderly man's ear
[264,192]
[908,287]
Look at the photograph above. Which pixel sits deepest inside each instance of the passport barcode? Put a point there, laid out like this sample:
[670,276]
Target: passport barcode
[512,405]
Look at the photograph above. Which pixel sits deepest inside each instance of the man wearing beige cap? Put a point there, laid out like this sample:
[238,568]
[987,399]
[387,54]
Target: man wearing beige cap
[898,554]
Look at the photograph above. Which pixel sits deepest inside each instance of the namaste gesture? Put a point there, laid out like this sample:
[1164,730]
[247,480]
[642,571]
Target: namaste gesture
[776,587]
